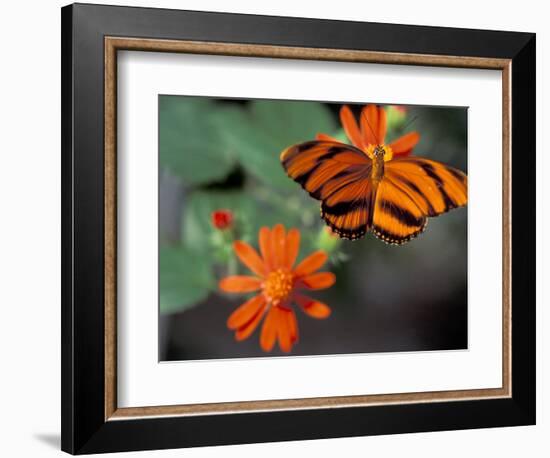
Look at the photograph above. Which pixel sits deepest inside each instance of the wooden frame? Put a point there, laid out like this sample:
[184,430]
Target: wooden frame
[114,44]
[95,423]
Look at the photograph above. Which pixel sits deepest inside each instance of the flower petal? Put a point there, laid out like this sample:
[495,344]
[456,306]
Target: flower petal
[373,125]
[249,257]
[240,284]
[320,280]
[292,246]
[310,264]
[278,245]
[382,124]
[293,326]
[326,138]
[246,312]
[312,307]
[269,330]
[404,145]
[245,331]
[350,127]
[283,330]
[265,246]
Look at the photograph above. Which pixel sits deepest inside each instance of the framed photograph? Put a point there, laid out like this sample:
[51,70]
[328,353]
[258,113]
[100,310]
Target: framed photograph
[281,228]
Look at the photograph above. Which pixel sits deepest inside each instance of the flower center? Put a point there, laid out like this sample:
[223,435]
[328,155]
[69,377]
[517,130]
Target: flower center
[376,151]
[278,285]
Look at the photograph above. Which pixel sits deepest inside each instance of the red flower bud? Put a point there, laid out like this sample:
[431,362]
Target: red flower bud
[222,219]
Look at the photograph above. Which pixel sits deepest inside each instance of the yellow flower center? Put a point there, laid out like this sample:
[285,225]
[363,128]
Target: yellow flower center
[384,151]
[278,285]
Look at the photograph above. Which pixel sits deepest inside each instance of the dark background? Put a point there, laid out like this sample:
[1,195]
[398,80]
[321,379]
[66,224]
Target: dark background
[386,299]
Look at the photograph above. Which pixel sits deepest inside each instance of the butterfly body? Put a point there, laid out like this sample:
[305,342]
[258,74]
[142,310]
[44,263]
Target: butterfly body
[377,171]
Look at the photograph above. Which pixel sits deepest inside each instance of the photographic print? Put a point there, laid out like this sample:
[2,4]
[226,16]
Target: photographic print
[295,228]
[335,210]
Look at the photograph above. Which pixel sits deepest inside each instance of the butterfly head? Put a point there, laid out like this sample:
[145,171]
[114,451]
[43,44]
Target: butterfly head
[379,152]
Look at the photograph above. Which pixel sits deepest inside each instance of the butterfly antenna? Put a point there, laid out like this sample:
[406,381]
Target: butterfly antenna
[370,127]
[410,122]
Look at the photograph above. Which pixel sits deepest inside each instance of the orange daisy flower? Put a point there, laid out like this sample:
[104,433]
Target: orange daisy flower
[371,132]
[279,285]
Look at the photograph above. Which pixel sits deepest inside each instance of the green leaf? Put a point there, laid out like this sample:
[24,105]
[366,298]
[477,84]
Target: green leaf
[190,143]
[258,136]
[289,122]
[341,136]
[185,279]
[255,150]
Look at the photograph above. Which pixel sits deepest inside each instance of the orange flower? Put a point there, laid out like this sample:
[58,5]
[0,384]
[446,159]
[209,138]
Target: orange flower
[372,132]
[279,285]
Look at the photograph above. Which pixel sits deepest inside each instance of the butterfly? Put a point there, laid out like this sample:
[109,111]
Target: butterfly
[368,186]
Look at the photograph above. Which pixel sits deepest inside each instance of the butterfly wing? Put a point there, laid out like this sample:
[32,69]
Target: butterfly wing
[338,175]
[397,218]
[435,187]
[348,211]
[411,190]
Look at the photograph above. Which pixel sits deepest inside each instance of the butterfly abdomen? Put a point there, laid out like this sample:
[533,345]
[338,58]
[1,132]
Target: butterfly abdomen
[377,171]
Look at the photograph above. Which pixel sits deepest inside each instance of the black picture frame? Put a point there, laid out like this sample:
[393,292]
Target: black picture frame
[84,426]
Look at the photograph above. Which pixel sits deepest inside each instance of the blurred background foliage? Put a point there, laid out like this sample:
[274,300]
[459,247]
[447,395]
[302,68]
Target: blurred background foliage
[224,154]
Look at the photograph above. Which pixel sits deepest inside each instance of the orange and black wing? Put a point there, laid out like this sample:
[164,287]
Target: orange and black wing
[435,187]
[396,217]
[337,174]
[412,190]
[349,210]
